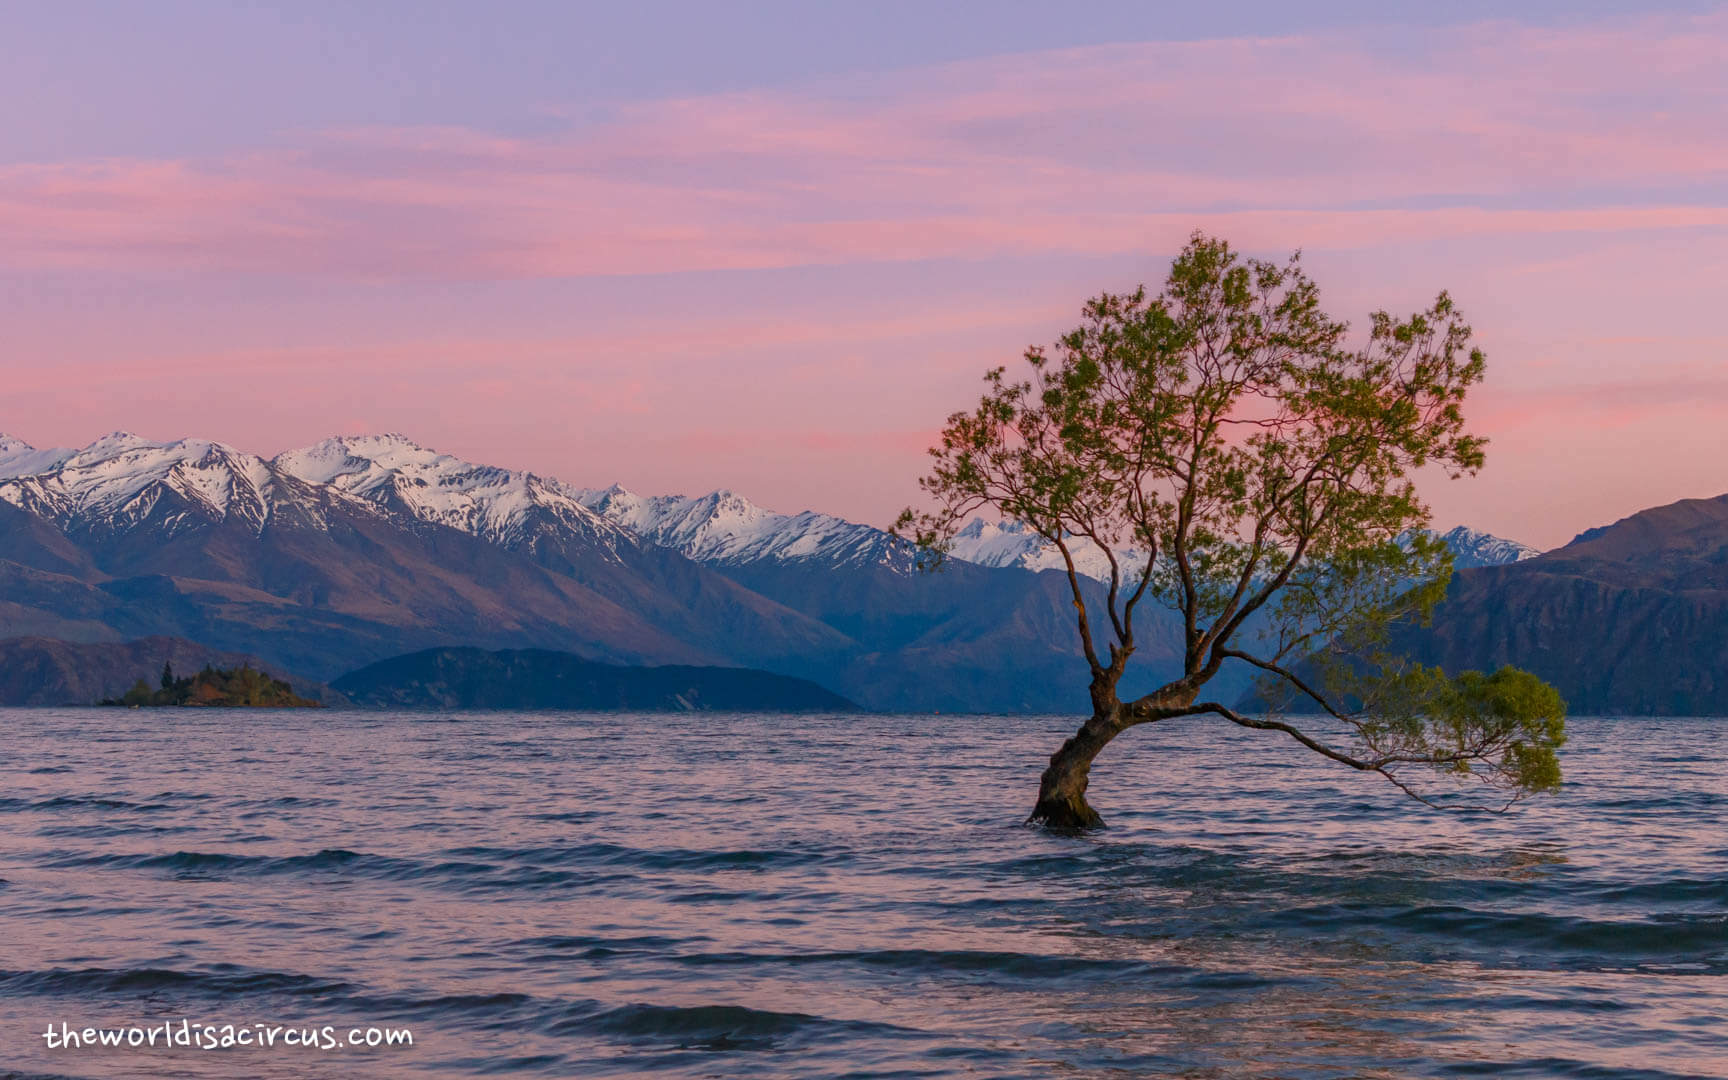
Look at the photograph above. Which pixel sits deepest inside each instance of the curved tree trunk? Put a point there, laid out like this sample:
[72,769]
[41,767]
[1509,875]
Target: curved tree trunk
[1062,789]
[1062,801]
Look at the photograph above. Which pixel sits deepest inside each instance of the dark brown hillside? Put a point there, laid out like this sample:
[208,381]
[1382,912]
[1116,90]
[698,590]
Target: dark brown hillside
[1628,618]
[1682,546]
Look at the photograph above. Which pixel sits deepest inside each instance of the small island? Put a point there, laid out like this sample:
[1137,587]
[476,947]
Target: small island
[241,687]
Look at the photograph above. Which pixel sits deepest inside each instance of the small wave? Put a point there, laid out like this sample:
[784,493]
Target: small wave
[496,1010]
[75,802]
[1545,940]
[1688,937]
[1707,891]
[63,981]
[105,829]
[455,874]
[715,1027]
[1562,1067]
[602,854]
[585,947]
[296,802]
[1015,965]
[219,862]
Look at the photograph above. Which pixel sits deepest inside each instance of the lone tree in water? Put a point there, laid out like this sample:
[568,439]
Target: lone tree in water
[1258,466]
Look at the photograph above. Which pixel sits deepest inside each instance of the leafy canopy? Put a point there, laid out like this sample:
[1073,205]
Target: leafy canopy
[1257,464]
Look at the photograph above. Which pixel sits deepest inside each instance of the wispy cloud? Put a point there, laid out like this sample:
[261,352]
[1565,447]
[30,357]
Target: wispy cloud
[1347,140]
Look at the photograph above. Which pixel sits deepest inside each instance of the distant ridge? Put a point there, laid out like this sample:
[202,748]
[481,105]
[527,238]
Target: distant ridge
[542,679]
[1628,618]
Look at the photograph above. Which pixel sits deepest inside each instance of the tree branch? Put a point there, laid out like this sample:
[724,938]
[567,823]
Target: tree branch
[1079,607]
[1290,677]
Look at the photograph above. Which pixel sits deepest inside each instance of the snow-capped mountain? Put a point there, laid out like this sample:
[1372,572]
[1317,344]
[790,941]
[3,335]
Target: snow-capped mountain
[1471,548]
[725,529]
[122,481]
[1012,543]
[19,458]
[511,508]
[355,550]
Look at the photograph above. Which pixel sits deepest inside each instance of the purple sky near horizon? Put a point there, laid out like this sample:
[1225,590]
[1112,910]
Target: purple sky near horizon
[770,246]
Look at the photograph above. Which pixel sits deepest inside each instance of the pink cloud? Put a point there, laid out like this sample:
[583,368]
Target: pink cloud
[1099,150]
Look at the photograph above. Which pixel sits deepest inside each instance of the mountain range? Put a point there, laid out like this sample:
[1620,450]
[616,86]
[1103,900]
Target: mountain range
[357,549]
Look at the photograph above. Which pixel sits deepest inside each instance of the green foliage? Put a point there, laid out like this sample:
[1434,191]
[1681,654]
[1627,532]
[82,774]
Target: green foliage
[1503,729]
[242,686]
[138,695]
[1260,461]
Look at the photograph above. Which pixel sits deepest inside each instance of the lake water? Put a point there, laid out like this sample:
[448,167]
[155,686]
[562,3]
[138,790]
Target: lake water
[769,896]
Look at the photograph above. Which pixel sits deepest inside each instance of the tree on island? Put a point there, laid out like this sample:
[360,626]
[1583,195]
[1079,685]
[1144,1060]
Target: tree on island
[224,687]
[1260,465]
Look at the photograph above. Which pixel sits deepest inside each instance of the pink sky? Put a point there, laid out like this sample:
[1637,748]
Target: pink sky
[784,290]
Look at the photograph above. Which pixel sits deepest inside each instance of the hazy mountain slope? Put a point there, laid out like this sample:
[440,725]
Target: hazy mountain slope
[967,638]
[993,630]
[964,638]
[1628,618]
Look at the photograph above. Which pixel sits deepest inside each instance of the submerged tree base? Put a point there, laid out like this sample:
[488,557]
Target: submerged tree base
[1069,814]
[1062,804]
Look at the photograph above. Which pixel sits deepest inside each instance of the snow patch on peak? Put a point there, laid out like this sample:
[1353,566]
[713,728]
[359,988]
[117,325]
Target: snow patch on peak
[19,458]
[118,481]
[1014,543]
[505,506]
[1472,548]
[725,528]
[116,442]
[347,455]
